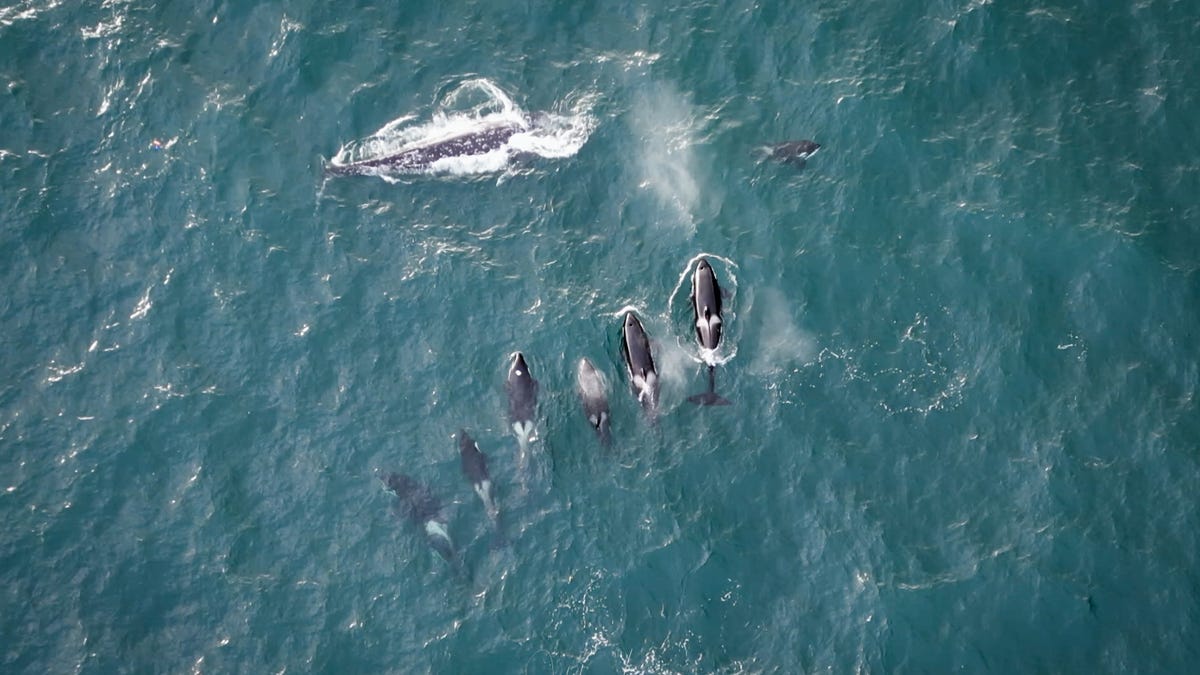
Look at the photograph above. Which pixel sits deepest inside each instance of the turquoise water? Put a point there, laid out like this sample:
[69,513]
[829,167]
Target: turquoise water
[961,343]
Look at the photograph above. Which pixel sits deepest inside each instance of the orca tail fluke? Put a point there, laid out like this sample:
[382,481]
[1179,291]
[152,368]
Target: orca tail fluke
[708,398]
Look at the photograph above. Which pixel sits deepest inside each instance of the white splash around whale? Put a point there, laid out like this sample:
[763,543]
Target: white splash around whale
[474,109]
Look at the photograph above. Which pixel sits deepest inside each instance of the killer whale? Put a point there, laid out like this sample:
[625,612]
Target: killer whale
[706,311]
[422,158]
[639,364]
[420,506]
[522,392]
[593,393]
[474,467]
[795,153]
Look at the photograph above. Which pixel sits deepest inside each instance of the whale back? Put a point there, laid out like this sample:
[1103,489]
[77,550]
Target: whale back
[706,305]
[794,152]
[474,462]
[422,157]
[522,391]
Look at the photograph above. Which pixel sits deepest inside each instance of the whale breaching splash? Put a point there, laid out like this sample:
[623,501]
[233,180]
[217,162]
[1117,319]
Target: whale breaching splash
[475,128]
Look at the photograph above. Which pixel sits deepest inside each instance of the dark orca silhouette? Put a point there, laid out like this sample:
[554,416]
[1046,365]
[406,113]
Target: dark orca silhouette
[706,307]
[474,467]
[593,392]
[795,153]
[639,364]
[422,508]
[522,392]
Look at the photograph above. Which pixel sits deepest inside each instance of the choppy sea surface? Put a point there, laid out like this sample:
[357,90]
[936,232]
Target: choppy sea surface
[961,344]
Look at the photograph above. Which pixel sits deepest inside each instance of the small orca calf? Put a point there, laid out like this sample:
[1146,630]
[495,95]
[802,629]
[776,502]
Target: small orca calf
[522,401]
[795,153]
[593,392]
[474,467]
[639,364]
[422,508]
[706,307]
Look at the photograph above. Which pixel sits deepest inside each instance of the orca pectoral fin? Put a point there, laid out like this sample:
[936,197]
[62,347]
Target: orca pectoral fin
[708,399]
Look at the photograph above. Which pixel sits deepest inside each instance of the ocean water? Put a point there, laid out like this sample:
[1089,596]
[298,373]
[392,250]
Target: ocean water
[961,344]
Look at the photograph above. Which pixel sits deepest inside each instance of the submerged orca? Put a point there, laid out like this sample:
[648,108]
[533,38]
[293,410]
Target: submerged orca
[639,363]
[522,392]
[706,307]
[593,392]
[421,158]
[794,152]
[422,508]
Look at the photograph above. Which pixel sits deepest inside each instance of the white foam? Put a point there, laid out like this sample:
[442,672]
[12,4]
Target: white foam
[475,106]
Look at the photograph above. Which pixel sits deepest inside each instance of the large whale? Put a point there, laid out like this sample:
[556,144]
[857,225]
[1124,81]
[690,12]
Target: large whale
[522,392]
[706,308]
[474,467]
[423,157]
[639,364]
[795,153]
[422,508]
[593,392]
